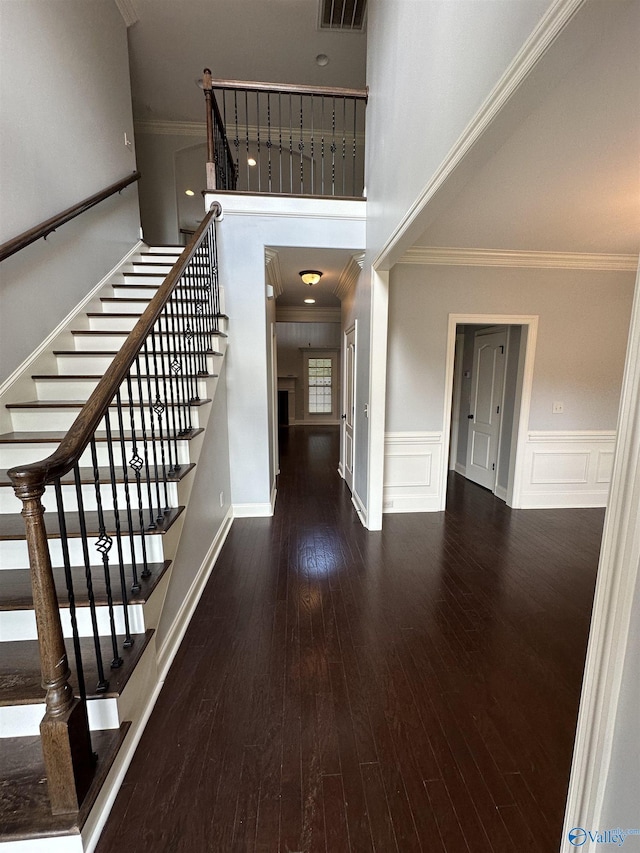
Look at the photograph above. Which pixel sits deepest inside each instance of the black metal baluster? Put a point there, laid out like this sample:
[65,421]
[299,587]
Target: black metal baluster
[168,375]
[290,145]
[344,142]
[301,147]
[163,357]
[136,463]
[135,585]
[333,147]
[236,138]
[200,310]
[159,408]
[128,640]
[280,134]
[269,138]
[355,116]
[103,684]
[175,368]
[322,146]
[258,138]
[145,442]
[246,122]
[103,546]
[313,162]
[66,560]
[150,402]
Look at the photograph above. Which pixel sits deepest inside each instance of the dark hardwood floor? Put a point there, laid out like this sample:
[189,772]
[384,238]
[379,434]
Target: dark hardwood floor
[339,690]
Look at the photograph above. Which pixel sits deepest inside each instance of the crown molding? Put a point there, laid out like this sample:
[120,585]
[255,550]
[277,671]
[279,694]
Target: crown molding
[161,127]
[448,256]
[349,275]
[273,271]
[128,12]
[287,314]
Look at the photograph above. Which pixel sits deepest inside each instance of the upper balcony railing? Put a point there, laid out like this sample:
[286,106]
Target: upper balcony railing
[281,138]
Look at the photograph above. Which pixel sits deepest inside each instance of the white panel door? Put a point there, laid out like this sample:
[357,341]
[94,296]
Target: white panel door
[349,404]
[487,388]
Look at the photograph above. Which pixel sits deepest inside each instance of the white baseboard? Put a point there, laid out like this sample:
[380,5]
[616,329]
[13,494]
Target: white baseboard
[253,510]
[341,469]
[59,844]
[414,503]
[177,631]
[501,493]
[360,508]
[459,468]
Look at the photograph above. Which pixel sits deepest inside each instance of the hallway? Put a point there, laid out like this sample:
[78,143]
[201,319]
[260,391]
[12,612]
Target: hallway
[339,690]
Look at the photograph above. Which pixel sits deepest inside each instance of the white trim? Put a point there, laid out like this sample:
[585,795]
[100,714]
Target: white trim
[618,575]
[48,343]
[450,256]
[180,624]
[457,400]
[253,510]
[52,844]
[579,436]
[289,206]
[462,470]
[550,26]
[349,275]
[411,471]
[377,396]
[273,271]
[359,506]
[530,321]
[128,12]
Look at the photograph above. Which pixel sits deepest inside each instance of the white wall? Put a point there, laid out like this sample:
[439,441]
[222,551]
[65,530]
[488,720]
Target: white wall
[66,105]
[250,224]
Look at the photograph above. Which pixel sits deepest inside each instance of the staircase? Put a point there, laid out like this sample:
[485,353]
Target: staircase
[134,498]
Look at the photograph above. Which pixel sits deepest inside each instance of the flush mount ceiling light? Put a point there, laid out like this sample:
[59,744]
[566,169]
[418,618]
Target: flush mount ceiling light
[310,277]
[251,161]
[189,192]
[310,301]
[322,59]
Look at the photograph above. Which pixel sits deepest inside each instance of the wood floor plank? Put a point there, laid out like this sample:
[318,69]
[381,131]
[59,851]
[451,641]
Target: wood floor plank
[414,689]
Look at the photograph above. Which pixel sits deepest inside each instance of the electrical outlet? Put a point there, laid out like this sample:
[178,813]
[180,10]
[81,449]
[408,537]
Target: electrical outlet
[557,408]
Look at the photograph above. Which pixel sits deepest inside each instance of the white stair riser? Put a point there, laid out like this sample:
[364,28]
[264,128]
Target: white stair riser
[136,307]
[22,454]
[139,264]
[24,720]
[14,554]
[56,388]
[97,364]
[10,503]
[150,278]
[54,420]
[21,624]
[115,341]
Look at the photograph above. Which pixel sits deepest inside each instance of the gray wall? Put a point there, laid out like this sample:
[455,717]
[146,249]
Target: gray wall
[582,335]
[66,105]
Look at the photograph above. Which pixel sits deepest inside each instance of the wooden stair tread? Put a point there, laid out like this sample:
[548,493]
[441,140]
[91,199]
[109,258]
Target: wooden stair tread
[87,478]
[74,404]
[12,524]
[17,595]
[20,675]
[37,436]
[25,809]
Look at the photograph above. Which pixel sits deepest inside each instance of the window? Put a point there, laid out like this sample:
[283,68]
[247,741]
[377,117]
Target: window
[320,386]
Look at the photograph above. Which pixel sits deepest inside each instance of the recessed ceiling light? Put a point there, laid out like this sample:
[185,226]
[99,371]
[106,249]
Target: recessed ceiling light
[322,59]
[189,192]
[251,161]
[310,301]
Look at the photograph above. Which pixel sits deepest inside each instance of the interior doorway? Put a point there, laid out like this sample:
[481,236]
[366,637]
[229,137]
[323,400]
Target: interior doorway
[347,443]
[489,373]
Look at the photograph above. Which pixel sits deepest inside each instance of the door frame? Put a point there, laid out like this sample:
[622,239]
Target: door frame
[529,322]
[341,464]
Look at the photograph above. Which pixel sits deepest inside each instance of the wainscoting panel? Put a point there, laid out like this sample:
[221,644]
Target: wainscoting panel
[567,469]
[412,464]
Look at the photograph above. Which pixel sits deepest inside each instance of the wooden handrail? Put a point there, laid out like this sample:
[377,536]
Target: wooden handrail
[49,225]
[72,445]
[290,88]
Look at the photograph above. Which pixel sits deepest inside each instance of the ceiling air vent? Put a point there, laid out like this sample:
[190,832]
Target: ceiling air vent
[342,14]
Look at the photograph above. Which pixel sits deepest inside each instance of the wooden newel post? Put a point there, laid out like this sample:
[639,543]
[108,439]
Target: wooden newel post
[211,148]
[64,730]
